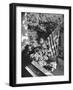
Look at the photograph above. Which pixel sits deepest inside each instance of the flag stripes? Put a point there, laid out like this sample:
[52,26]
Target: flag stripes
[53,43]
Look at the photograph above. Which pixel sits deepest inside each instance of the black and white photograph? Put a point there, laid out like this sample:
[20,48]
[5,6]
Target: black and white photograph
[40,44]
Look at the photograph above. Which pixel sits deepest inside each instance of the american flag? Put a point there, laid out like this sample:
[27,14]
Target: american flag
[53,43]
